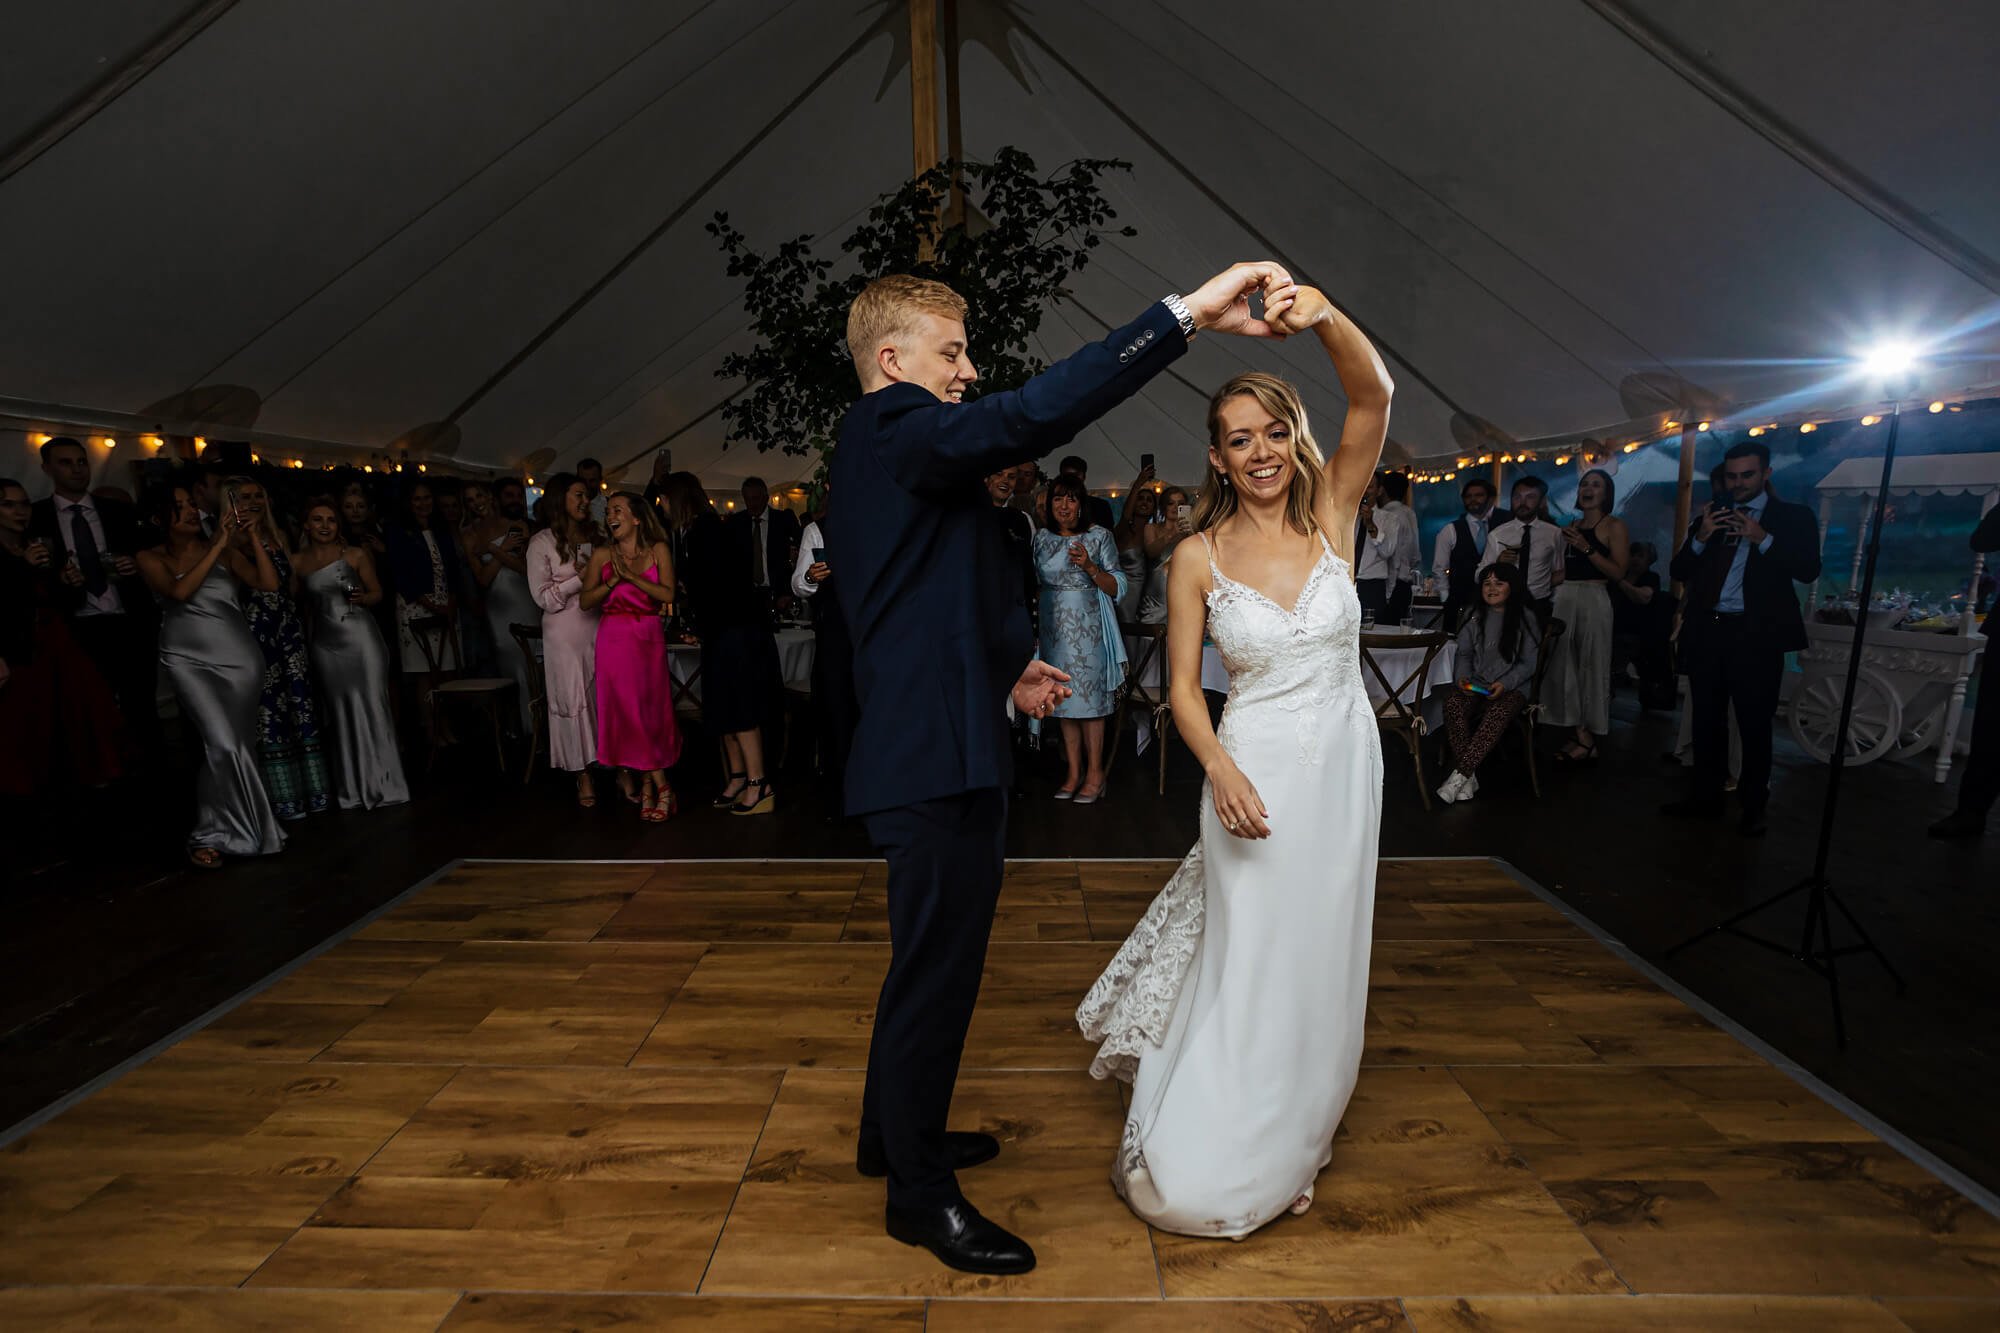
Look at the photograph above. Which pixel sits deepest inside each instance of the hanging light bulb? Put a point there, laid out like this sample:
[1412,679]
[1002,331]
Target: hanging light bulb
[367,467]
[1870,419]
[421,468]
[1755,431]
[1673,425]
[200,443]
[1808,427]
[1703,426]
[1632,448]
[1937,406]
[1486,458]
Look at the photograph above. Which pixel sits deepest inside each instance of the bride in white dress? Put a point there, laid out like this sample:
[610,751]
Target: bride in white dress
[1235,1008]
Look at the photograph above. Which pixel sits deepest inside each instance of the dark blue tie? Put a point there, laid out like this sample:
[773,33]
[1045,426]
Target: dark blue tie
[83,544]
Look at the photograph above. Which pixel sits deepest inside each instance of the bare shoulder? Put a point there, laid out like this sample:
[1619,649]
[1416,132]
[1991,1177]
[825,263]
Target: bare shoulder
[1188,568]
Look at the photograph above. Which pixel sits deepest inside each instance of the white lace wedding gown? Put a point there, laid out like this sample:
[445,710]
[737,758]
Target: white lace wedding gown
[1235,1007]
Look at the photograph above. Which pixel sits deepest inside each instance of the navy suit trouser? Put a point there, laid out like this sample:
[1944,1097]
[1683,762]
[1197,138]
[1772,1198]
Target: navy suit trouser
[1731,667]
[946,859]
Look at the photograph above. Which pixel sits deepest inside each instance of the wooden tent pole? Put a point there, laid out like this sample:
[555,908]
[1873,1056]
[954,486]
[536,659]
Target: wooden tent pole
[1684,489]
[923,86]
[954,138]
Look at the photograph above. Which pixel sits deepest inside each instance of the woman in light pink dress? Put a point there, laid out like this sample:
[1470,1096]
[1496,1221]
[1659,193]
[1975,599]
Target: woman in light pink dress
[632,578]
[557,558]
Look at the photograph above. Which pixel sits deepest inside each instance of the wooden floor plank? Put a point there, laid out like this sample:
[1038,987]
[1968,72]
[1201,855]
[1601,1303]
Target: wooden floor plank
[221,1310]
[572,1095]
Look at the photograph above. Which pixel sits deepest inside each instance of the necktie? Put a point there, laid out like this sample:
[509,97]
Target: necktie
[1527,539]
[1478,526]
[84,545]
[757,551]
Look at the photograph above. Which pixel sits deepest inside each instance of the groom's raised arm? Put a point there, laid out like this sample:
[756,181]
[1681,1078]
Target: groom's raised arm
[935,445]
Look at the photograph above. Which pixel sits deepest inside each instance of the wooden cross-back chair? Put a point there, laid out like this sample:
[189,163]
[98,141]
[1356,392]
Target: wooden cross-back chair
[529,639]
[1405,720]
[1157,700]
[435,635]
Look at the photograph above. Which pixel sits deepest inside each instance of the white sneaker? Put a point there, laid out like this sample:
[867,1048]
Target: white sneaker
[1469,787]
[1453,786]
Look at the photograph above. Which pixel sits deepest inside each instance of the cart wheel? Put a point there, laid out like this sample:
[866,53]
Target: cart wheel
[1875,730]
[1921,734]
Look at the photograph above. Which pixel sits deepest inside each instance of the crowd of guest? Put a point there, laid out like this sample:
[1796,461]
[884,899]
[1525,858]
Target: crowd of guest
[299,623]
[302,622]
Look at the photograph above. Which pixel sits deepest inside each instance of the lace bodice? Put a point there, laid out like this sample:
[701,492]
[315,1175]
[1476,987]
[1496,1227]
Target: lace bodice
[1302,660]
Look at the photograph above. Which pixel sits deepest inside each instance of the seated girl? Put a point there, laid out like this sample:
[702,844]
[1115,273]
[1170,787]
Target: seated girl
[1495,660]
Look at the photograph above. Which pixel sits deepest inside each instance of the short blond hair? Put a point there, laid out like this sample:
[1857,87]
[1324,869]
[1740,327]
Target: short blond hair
[887,309]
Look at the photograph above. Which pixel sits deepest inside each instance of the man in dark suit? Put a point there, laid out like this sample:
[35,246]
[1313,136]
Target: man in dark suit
[1739,563]
[940,634]
[110,611]
[1981,783]
[768,538]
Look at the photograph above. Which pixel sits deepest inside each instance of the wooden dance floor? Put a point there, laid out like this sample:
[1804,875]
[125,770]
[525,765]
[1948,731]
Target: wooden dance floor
[574,1095]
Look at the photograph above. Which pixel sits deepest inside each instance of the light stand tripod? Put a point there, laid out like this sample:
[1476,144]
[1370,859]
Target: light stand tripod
[1820,956]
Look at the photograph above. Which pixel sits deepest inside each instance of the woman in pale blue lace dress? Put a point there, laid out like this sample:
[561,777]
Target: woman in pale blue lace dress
[1081,585]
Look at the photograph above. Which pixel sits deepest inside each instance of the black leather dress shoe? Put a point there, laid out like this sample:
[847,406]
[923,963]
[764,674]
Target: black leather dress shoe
[966,1149]
[962,1239]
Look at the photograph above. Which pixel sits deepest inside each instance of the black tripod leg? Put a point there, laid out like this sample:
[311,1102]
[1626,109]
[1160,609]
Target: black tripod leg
[1729,923]
[1869,944]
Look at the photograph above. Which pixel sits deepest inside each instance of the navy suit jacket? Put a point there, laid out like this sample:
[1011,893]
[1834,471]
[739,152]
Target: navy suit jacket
[931,595]
[1771,613]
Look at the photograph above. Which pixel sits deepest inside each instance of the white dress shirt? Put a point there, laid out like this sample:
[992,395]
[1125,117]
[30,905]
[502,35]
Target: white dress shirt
[1730,599]
[808,540]
[1545,548]
[600,508]
[108,602]
[1447,538]
[1392,552]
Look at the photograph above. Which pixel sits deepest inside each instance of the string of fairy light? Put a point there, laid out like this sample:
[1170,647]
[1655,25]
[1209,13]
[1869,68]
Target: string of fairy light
[1589,452]
[1426,471]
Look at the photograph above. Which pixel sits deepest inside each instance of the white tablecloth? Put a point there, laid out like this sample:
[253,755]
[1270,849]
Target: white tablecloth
[1397,664]
[795,665]
[1400,663]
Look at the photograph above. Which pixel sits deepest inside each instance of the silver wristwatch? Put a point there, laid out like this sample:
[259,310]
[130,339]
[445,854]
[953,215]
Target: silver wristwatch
[1173,302]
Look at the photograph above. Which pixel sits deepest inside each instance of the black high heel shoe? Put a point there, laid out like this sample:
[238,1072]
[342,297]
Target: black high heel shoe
[728,797]
[764,804]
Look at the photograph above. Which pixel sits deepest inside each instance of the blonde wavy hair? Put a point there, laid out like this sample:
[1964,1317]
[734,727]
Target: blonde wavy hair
[1218,499]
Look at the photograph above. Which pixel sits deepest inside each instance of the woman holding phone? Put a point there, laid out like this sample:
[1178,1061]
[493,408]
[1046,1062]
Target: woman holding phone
[1495,655]
[1081,586]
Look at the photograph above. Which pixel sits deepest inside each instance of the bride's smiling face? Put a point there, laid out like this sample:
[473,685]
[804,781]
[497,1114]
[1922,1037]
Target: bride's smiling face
[1254,451]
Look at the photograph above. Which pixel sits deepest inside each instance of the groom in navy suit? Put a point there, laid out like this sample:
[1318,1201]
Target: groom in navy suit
[941,640]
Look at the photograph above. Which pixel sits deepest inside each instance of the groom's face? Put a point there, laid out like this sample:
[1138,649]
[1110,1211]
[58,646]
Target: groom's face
[934,354]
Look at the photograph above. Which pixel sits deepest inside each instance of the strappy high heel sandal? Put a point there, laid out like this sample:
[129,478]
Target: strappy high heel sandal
[764,804]
[728,798]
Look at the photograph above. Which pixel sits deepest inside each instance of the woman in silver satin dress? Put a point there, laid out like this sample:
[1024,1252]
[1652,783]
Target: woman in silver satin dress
[351,664]
[218,672]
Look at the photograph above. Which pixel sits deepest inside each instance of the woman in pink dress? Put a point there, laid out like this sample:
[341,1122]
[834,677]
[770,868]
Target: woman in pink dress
[557,558]
[631,577]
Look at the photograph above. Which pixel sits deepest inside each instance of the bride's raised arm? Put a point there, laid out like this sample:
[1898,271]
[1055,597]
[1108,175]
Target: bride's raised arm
[1369,388]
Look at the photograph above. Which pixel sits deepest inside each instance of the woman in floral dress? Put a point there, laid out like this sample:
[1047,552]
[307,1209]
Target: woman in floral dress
[295,775]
